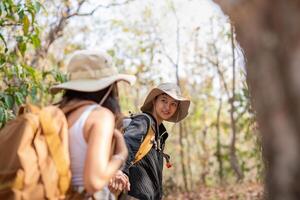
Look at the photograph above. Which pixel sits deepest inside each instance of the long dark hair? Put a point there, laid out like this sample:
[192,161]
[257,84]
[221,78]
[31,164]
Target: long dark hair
[111,102]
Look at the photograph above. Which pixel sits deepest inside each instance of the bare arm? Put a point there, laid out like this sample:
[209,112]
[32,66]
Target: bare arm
[99,166]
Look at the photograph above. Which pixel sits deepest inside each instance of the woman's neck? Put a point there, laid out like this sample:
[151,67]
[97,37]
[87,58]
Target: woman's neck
[158,119]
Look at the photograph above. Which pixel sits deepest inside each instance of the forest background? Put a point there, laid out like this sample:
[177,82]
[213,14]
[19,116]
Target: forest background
[216,151]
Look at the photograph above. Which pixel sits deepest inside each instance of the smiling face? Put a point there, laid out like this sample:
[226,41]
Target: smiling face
[164,107]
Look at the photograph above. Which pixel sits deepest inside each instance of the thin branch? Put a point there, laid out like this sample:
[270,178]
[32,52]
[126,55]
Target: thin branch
[218,67]
[246,108]
[98,7]
[11,24]
[163,47]
[213,62]
[57,30]
[220,71]
[177,44]
[164,51]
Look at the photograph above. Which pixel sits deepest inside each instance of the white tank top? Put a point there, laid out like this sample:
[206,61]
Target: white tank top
[78,146]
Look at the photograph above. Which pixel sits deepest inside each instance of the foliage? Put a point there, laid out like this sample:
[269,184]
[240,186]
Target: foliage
[19,34]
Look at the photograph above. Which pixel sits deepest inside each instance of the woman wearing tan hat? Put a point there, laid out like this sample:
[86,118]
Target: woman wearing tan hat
[92,106]
[163,103]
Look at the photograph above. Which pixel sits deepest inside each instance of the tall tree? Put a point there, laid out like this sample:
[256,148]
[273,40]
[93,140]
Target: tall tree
[176,65]
[233,157]
[219,150]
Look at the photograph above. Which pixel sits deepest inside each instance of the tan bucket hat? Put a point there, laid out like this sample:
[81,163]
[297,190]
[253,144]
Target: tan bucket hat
[90,71]
[173,91]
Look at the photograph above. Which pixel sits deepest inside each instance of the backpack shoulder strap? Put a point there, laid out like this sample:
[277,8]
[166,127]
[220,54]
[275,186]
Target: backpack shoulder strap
[55,146]
[147,142]
[26,108]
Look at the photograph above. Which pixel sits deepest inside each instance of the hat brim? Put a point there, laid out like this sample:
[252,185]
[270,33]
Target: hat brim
[92,85]
[181,112]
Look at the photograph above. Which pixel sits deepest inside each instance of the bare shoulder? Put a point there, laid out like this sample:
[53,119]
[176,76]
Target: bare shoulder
[100,119]
[101,114]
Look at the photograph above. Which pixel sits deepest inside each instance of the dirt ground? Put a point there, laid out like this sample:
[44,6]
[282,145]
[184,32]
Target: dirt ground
[243,191]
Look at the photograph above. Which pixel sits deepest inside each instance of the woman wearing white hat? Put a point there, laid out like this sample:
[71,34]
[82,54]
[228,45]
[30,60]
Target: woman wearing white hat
[163,103]
[91,101]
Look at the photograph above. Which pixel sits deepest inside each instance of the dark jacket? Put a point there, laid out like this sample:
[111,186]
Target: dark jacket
[145,176]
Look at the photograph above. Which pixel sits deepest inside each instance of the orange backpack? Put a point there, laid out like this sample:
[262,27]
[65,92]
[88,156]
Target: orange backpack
[34,155]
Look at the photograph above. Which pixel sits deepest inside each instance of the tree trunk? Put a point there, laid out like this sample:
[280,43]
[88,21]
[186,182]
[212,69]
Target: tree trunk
[269,33]
[233,157]
[205,158]
[197,146]
[189,152]
[218,152]
[184,176]
[176,65]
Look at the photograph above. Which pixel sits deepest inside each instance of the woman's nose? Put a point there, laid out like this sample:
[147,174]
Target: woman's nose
[167,106]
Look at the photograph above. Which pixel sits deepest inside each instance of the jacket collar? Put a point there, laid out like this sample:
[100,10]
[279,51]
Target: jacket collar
[162,131]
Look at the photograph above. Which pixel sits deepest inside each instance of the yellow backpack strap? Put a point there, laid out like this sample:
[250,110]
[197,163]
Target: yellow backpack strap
[147,142]
[145,146]
[28,108]
[56,150]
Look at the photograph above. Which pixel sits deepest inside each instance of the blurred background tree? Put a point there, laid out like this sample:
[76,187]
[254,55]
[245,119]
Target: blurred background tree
[269,33]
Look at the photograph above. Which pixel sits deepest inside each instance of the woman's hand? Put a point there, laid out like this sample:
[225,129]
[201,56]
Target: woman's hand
[119,183]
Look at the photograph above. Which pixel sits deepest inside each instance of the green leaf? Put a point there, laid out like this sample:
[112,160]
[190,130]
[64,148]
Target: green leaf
[35,40]
[37,30]
[111,52]
[33,93]
[8,101]
[19,39]
[37,6]
[30,70]
[10,2]
[21,13]
[24,89]
[1,8]
[22,47]
[32,12]
[3,40]
[26,23]
[3,117]
[19,98]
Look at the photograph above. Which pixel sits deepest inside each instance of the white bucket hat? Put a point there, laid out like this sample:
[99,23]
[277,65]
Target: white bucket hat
[90,71]
[173,91]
